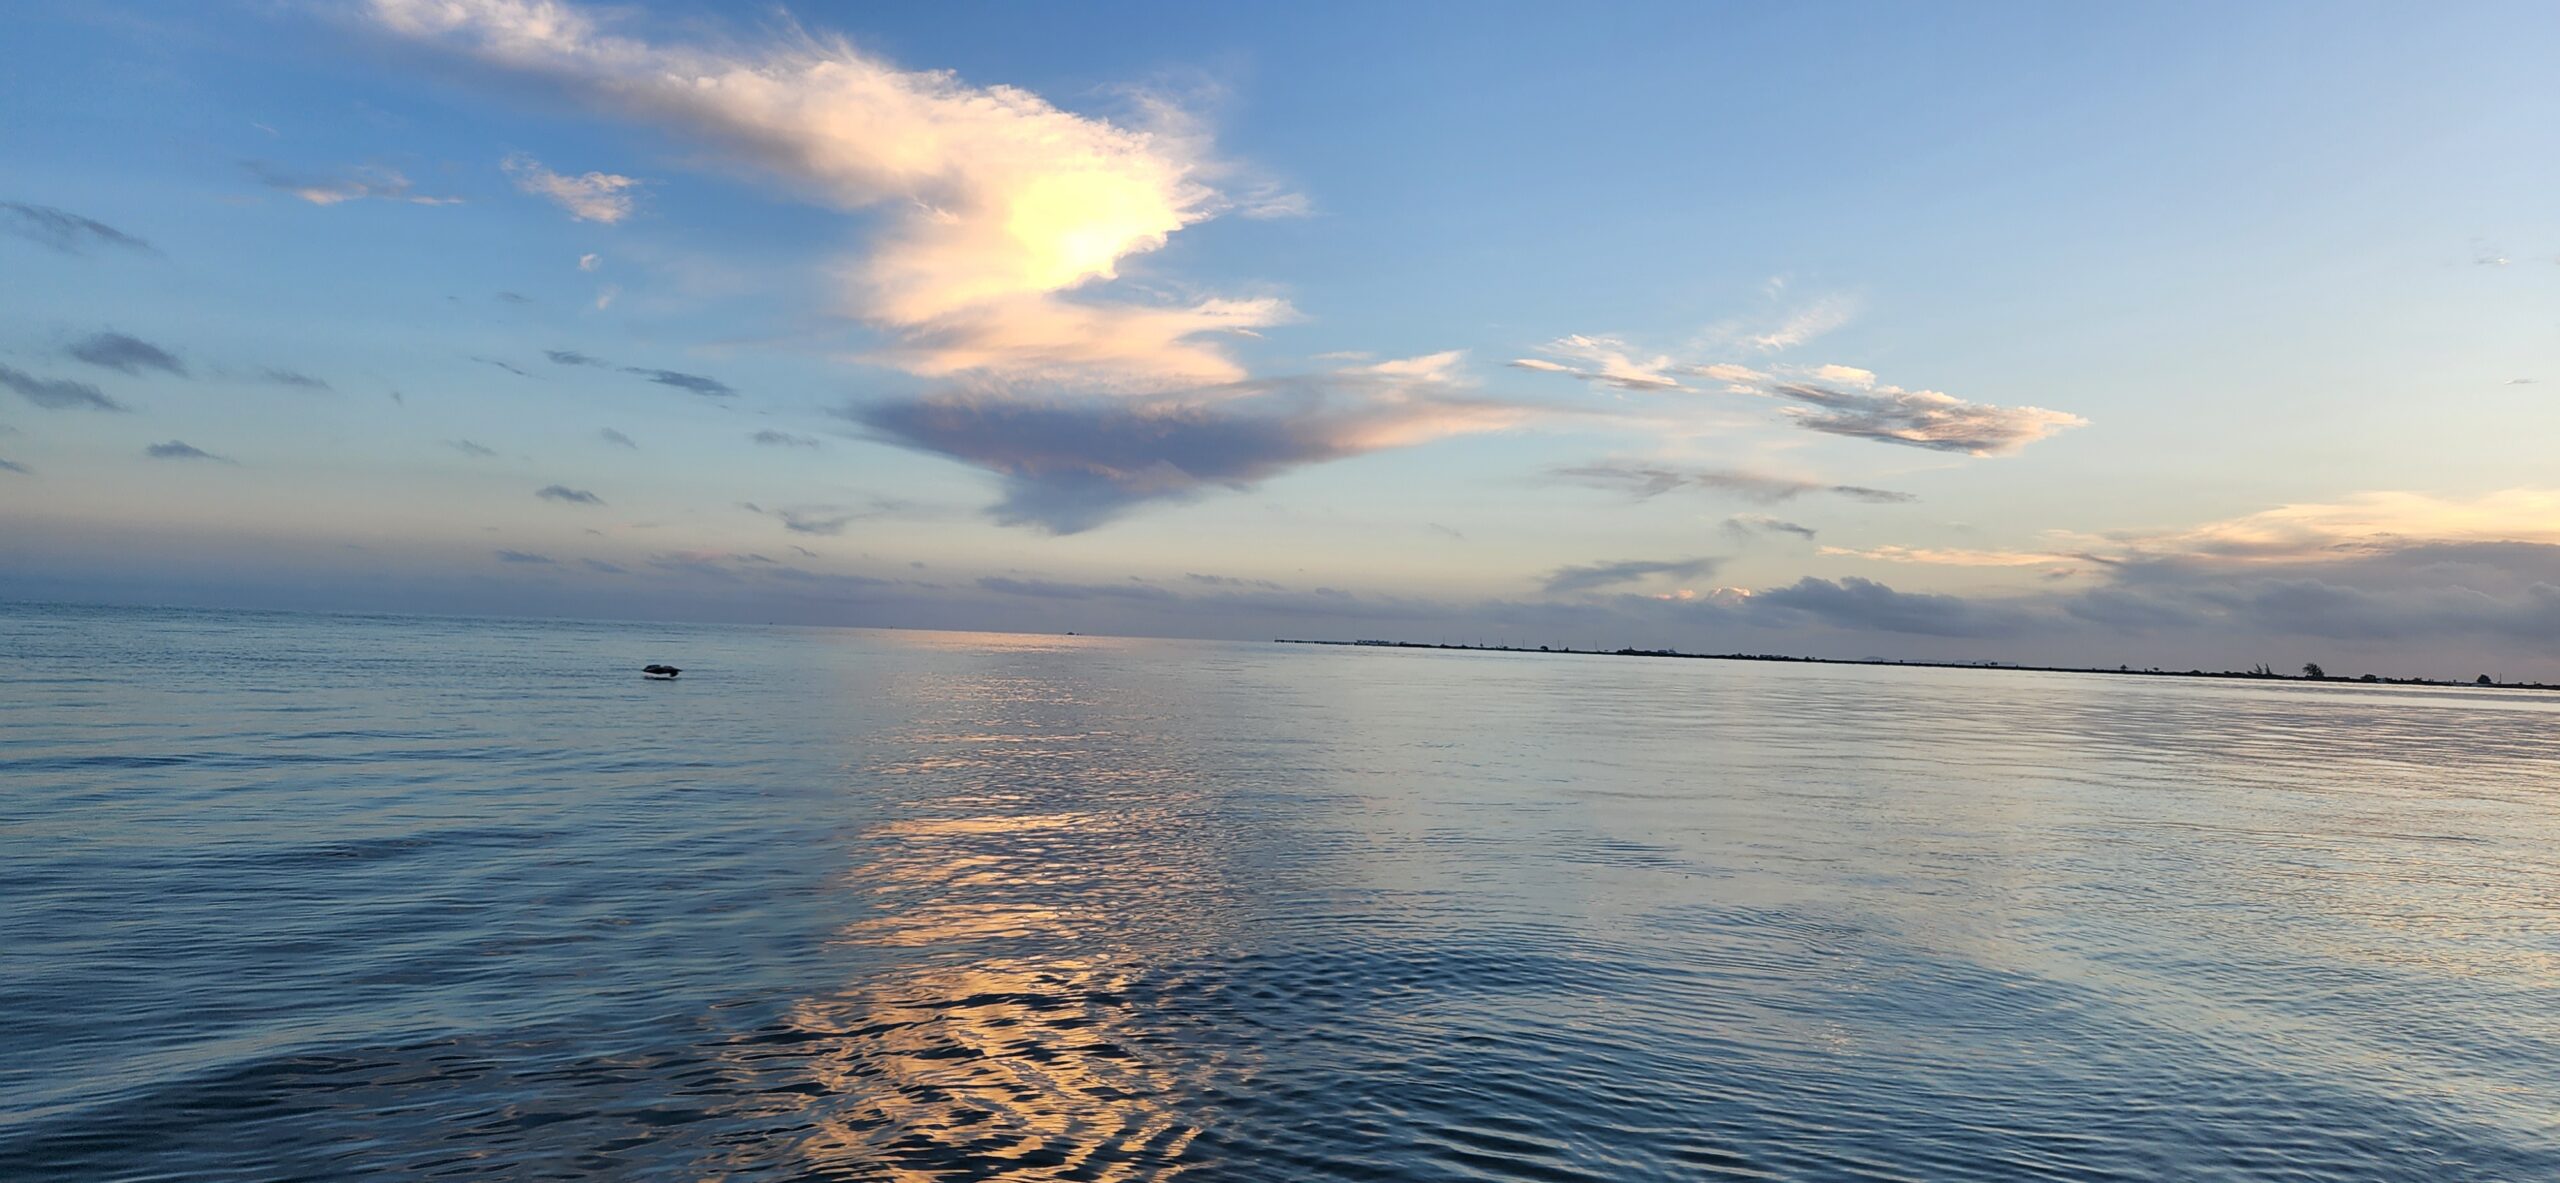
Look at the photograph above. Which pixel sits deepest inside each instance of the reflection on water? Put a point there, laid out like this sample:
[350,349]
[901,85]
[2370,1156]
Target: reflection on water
[327,898]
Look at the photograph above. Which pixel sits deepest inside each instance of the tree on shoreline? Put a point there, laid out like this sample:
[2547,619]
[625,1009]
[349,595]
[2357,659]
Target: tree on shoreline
[2312,670]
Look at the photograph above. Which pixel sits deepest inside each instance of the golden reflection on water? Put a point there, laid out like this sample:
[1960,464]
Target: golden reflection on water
[1031,1059]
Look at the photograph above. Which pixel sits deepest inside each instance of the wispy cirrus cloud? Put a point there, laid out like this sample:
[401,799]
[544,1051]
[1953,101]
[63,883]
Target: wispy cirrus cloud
[589,197]
[828,520]
[294,378]
[999,204]
[358,183]
[473,450]
[1608,361]
[525,557]
[1919,418]
[1953,556]
[566,494]
[57,394]
[1804,324]
[1599,576]
[1642,480]
[64,231]
[1758,523]
[770,438]
[1836,399]
[691,383]
[181,450]
[617,439]
[125,354]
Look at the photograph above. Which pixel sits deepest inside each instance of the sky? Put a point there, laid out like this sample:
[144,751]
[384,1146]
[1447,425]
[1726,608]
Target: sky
[2162,335]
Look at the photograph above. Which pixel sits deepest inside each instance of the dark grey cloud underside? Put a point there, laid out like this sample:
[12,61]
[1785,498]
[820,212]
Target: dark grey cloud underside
[567,494]
[782,439]
[1593,577]
[65,231]
[178,450]
[57,394]
[126,354]
[1067,469]
[14,466]
[617,439]
[1645,481]
[1862,604]
[696,383]
[518,556]
[1904,418]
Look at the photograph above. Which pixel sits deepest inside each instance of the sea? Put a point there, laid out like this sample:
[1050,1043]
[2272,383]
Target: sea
[332,897]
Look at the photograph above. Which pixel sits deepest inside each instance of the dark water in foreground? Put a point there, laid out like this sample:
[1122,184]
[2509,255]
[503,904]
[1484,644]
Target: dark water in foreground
[325,898]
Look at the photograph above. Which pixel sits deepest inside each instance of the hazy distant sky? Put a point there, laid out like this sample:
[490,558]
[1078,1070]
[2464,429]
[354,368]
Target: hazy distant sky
[2148,334]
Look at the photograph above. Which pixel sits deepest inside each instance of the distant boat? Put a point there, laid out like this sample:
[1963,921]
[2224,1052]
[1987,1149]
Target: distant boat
[660,673]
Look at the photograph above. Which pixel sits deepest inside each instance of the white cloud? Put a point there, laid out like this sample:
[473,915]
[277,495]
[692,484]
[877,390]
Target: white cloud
[589,197]
[355,184]
[1951,557]
[1805,324]
[1000,203]
[590,262]
[1605,360]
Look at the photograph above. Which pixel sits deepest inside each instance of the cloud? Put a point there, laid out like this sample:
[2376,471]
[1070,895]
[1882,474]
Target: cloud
[180,450]
[824,520]
[518,556]
[1750,523]
[1051,590]
[1864,604]
[782,439]
[1605,360]
[589,197]
[571,357]
[1921,418]
[467,448]
[996,204]
[125,354]
[590,262]
[707,387]
[1805,324]
[1954,556]
[364,181]
[1231,581]
[295,378]
[1647,481]
[1596,576]
[14,466]
[508,366]
[602,567]
[565,493]
[57,394]
[1071,466]
[617,439]
[65,231]
[1842,400]
[515,298]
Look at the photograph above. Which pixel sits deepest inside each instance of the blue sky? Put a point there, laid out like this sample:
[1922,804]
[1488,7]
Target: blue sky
[2170,335]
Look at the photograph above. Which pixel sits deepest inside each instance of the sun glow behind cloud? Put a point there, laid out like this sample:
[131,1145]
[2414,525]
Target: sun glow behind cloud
[999,204]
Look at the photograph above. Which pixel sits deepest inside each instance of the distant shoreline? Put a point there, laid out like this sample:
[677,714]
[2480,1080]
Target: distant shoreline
[2126,671]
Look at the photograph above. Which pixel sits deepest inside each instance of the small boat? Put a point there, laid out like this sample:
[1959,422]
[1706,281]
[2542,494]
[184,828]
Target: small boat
[660,673]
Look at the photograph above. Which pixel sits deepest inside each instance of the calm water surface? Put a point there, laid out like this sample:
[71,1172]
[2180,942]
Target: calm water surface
[317,898]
